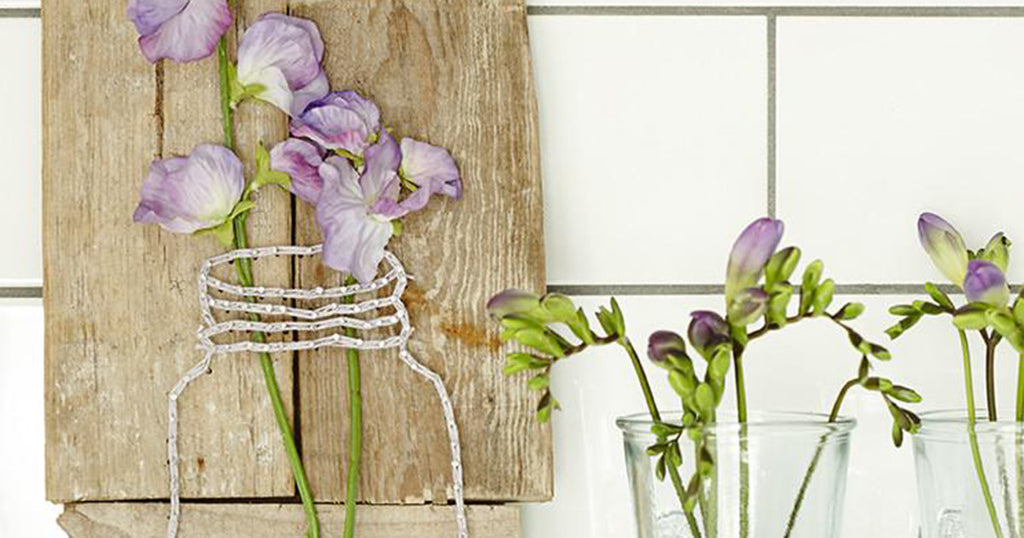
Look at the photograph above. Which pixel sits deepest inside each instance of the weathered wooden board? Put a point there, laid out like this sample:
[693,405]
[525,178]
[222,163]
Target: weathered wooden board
[121,303]
[124,520]
[455,73]
[120,299]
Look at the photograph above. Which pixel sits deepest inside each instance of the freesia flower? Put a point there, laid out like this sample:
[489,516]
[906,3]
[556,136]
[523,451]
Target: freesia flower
[181,30]
[201,192]
[662,344]
[340,121]
[707,330]
[748,305]
[301,161]
[997,251]
[986,283]
[432,169]
[355,210]
[750,253]
[944,245]
[512,301]
[279,62]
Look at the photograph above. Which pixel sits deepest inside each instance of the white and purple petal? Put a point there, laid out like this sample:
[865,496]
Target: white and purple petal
[340,121]
[301,160]
[750,253]
[986,283]
[283,54]
[188,194]
[944,245]
[180,30]
[431,167]
[379,180]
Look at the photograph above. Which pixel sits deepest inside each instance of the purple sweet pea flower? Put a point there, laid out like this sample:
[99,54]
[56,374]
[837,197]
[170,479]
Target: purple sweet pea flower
[512,301]
[944,245]
[748,305]
[181,30]
[707,330]
[432,169]
[750,253]
[340,121]
[301,161]
[986,283]
[282,55]
[662,344]
[355,210]
[194,193]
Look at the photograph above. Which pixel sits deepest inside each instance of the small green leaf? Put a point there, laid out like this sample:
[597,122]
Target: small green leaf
[939,296]
[604,317]
[904,324]
[1018,310]
[903,310]
[972,317]
[618,318]
[781,266]
[659,469]
[904,394]
[879,384]
[897,434]
[681,383]
[559,307]
[879,352]
[779,303]
[823,296]
[809,283]
[539,382]
[850,311]
[542,340]
[704,397]
[516,362]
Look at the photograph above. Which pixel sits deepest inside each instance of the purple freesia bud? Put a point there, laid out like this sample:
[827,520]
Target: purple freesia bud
[944,245]
[301,161]
[663,344]
[279,62]
[432,169]
[512,301]
[194,193]
[750,253]
[707,330]
[181,30]
[986,283]
[340,121]
[748,305]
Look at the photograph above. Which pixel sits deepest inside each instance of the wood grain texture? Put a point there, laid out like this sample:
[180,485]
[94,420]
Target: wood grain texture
[455,73]
[121,520]
[120,299]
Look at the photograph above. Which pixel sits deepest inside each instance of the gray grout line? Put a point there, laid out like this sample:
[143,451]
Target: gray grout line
[784,11]
[19,13]
[21,292]
[716,289]
[772,125]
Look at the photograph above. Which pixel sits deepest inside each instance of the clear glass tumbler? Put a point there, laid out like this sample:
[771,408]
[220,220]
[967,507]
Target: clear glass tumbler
[969,485]
[780,475]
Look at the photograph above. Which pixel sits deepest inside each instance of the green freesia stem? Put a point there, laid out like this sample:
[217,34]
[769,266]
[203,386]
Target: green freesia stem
[741,415]
[1020,389]
[652,407]
[355,444]
[990,375]
[243,266]
[973,435]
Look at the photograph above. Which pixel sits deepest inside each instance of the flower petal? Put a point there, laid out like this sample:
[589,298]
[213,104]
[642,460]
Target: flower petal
[339,121]
[191,33]
[380,175]
[283,54]
[986,283]
[662,344]
[301,161]
[431,167]
[751,251]
[944,245]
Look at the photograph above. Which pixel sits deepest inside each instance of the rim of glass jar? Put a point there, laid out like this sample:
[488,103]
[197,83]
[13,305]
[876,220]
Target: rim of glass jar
[951,424]
[759,424]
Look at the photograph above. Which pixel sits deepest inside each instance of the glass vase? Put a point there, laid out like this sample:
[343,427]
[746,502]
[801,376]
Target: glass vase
[970,484]
[780,475]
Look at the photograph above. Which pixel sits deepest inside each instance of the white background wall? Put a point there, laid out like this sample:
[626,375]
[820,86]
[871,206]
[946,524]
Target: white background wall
[658,146]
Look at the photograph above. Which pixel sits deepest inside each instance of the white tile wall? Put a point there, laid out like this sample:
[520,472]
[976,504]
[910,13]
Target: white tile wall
[650,126]
[23,512]
[20,150]
[880,119]
[654,136]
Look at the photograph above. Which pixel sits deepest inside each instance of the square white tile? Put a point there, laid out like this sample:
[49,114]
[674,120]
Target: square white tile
[24,510]
[653,143]
[15,4]
[724,3]
[20,151]
[881,119]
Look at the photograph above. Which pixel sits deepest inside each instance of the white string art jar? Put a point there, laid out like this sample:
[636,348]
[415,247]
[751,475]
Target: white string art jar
[227,310]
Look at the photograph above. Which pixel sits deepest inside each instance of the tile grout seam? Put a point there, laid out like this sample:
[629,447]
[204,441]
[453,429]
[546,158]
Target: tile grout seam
[771,113]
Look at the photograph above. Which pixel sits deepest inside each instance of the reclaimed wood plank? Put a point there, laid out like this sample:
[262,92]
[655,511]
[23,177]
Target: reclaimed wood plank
[455,73]
[124,520]
[120,299]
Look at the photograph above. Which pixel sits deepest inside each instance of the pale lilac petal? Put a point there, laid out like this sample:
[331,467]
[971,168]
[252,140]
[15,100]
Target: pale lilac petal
[339,121]
[944,245]
[283,54]
[707,330]
[301,161]
[380,175]
[309,93]
[354,240]
[750,253]
[662,344]
[188,34]
[431,167]
[986,283]
[187,194]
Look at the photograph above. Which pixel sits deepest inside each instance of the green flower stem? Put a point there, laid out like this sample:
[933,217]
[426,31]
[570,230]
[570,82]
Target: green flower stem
[1019,456]
[973,435]
[355,443]
[833,415]
[990,375]
[652,407]
[741,415]
[243,266]
[1020,389]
